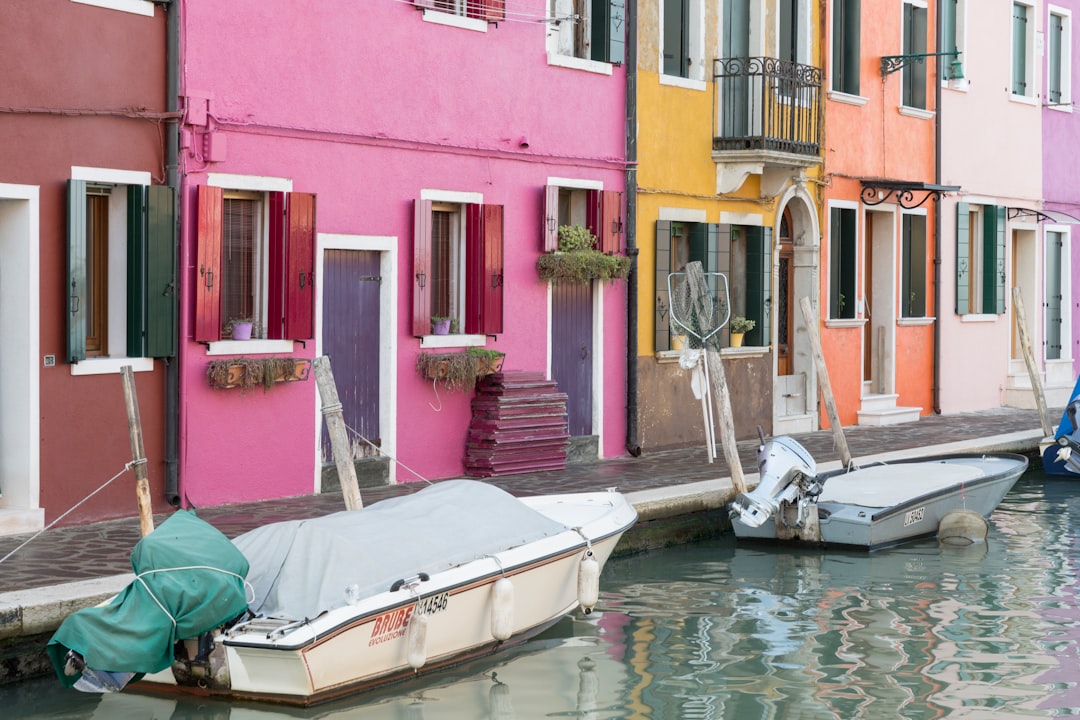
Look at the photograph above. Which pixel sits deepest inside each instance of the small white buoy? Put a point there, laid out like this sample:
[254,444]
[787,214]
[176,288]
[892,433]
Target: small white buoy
[502,609]
[417,640]
[588,586]
[501,706]
[962,527]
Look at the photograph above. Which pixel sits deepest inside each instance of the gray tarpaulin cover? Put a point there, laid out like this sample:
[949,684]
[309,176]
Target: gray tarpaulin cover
[301,568]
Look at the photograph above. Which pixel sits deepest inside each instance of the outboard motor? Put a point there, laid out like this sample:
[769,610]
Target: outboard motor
[786,472]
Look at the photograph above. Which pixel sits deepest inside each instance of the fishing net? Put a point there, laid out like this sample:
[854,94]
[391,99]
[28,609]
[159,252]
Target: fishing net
[700,311]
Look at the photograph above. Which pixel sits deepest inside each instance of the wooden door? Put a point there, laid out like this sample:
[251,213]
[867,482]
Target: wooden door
[351,334]
[572,351]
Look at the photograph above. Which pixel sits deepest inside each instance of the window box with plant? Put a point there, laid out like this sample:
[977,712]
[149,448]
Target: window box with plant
[578,260]
[459,370]
[249,372]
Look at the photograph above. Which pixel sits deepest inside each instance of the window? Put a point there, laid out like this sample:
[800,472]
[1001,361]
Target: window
[256,259]
[743,253]
[136,7]
[980,259]
[488,10]
[843,234]
[913,74]
[121,266]
[588,29]
[845,46]
[598,210]
[913,268]
[457,263]
[1022,49]
[681,54]
[1055,285]
[1059,59]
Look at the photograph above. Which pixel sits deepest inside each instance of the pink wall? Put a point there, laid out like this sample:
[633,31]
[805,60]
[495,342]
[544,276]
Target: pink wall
[365,104]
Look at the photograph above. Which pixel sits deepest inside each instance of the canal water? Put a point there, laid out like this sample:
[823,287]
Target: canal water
[720,630]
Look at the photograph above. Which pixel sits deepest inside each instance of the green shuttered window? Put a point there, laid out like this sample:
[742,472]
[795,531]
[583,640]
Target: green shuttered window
[98,323]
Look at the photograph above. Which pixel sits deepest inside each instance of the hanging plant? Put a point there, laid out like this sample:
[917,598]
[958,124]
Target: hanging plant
[459,370]
[249,372]
[578,260]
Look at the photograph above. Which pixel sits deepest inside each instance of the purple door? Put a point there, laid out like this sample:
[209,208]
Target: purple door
[350,338]
[572,350]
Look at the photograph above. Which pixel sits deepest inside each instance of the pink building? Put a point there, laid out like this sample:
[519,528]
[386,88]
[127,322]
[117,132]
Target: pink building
[356,170]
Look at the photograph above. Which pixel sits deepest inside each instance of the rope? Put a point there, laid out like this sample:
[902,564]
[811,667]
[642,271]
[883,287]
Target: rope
[153,597]
[129,466]
[382,452]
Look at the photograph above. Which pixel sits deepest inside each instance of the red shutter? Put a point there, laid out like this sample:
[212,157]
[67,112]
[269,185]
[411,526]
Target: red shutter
[278,235]
[551,218]
[208,282]
[421,315]
[299,291]
[490,10]
[492,285]
[609,232]
[483,269]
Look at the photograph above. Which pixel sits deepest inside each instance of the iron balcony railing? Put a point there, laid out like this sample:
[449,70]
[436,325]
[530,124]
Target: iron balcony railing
[764,103]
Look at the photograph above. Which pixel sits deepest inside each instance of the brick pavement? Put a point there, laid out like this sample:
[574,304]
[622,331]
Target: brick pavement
[102,549]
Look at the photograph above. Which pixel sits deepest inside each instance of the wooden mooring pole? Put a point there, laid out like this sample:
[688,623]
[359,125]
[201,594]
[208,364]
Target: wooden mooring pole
[823,381]
[138,458]
[695,279]
[339,436]
[1029,360]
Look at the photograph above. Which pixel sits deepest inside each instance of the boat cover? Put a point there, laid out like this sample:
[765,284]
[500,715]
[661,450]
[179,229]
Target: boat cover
[186,565]
[300,568]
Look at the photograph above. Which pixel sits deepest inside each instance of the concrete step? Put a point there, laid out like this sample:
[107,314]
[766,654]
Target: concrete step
[1024,397]
[874,402]
[792,424]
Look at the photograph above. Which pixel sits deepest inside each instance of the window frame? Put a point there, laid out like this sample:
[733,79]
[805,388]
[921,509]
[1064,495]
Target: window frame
[288,243]
[953,39]
[605,40]
[135,7]
[465,14]
[691,42]
[1024,55]
[843,276]
[139,273]
[1063,46]
[914,41]
[913,259]
[479,279]
[980,259]
[846,39]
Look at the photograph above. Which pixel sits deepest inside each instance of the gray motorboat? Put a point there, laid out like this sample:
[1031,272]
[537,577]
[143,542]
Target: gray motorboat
[869,507]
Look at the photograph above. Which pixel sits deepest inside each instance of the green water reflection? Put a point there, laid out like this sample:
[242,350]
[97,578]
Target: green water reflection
[717,630]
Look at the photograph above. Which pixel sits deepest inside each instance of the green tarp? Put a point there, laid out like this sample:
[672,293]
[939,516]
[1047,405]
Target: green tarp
[186,565]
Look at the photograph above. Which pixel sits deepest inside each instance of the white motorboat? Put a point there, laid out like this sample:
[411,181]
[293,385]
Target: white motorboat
[870,507]
[362,598]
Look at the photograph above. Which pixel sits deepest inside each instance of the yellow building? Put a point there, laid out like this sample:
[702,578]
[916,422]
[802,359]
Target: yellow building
[726,99]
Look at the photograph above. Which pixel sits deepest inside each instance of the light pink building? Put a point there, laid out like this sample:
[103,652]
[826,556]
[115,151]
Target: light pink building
[352,171]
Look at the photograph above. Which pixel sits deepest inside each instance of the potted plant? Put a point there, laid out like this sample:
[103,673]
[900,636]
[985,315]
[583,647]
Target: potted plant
[248,372]
[240,328]
[455,370]
[440,325]
[739,327]
[578,260]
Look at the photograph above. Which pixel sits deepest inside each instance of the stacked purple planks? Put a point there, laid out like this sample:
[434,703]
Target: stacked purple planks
[518,426]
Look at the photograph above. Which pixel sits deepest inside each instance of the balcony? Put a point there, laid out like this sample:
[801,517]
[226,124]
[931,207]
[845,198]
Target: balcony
[767,121]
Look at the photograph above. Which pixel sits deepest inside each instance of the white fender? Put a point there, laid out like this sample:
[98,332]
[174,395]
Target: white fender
[502,609]
[499,699]
[588,585]
[417,640]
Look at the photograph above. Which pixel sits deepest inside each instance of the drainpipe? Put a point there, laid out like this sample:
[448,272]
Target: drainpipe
[632,444]
[934,389]
[172,179]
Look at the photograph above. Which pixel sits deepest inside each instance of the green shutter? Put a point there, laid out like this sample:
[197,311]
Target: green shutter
[914,73]
[963,258]
[1054,59]
[846,50]
[758,281]
[948,37]
[1019,49]
[663,298]
[161,296]
[76,271]
[720,241]
[995,303]
[136,270]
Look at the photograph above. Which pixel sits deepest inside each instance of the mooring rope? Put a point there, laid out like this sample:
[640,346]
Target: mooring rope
[129,466]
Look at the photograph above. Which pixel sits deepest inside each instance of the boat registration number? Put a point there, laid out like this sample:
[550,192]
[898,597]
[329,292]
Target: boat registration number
[914,516]
[432,603]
